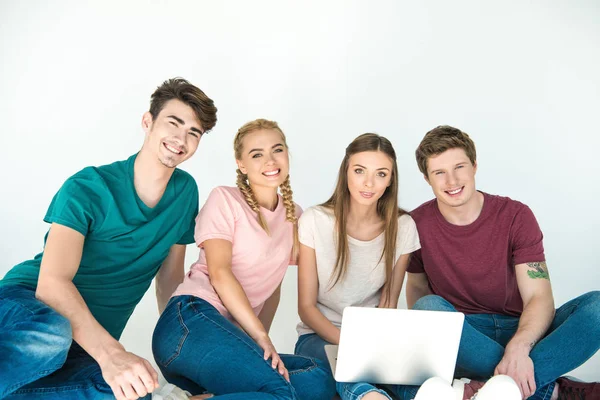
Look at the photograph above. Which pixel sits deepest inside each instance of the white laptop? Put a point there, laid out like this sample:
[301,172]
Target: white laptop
[389,346]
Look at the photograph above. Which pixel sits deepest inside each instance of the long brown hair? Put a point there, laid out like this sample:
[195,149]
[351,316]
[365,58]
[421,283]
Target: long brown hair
[246,189]
[387,207]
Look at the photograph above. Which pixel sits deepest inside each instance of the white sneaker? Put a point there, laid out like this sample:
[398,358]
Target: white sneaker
[499,387]
[170,392]
[435,389]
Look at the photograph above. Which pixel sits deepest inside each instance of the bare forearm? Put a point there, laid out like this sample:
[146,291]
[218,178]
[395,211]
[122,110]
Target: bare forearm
[236,302]
[269,309]
[533,324]
[391,301]
[414,293]
[64,297]
[161,299]
[316,321]
[164,290]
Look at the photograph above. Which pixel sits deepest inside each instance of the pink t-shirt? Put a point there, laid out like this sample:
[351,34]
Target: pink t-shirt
[473,266]
[258,262]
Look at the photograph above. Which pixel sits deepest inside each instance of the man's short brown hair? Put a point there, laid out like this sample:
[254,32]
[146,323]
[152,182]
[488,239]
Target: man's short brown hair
[440,139]
[182,90]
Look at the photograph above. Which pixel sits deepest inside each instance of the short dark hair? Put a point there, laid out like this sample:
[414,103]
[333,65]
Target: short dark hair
[440,139]
[180,89]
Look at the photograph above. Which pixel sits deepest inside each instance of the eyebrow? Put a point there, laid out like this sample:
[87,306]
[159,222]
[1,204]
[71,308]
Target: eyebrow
[378,169]
[441,169]
[182,122]
[275,145]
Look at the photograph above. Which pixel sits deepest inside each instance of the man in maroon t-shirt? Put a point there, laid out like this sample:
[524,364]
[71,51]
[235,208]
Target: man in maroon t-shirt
[483,255]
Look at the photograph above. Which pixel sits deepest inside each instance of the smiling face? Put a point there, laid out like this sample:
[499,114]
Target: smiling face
[173,136]
[451,175]
[264,158]
[369,175]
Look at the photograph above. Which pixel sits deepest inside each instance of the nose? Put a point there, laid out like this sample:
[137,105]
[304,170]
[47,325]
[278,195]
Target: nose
[369,180]
[451,178]
[182,135]
[269,159]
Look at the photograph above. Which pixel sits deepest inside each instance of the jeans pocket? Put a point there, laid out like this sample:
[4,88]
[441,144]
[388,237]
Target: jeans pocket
[170,335]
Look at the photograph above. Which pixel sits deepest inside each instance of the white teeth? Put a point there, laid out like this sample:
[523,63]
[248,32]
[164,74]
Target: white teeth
[455,191]
[172,149]
[271,173]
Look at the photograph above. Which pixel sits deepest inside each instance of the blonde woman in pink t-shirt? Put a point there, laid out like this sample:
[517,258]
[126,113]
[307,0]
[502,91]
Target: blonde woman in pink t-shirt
[213,335]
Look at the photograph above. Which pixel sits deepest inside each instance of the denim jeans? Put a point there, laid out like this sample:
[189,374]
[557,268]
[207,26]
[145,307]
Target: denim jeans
[37,356]
[573,337]
[199,350]
[312,345]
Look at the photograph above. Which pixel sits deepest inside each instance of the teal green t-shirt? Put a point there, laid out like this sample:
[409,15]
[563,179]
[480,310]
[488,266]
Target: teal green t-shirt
[125,241]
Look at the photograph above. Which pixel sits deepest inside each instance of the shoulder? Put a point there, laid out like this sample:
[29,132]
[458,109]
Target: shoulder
[87,181]
[506,206]
[318,213]
[407,226]
[405,221]
[226,197]
[228,192]
[299,210]
[424,212]
[103,176]
[184,180]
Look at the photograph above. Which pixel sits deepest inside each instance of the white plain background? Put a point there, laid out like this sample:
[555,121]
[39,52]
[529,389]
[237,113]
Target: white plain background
[520,77]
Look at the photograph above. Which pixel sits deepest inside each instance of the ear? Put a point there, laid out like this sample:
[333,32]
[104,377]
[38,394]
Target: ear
[241,166]
[474,167]
[147,122]
[426,179]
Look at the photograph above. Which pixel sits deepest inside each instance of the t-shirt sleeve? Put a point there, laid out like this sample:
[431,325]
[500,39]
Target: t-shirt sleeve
[77,205]
[191,213]
[216,219]
[306,228]
[415,265]
[527,238]
[408,240]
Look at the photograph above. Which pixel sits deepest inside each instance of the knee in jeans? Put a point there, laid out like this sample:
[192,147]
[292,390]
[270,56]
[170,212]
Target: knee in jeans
[433,302]
[325,385]
[57,336]
[594,298]
[592,304]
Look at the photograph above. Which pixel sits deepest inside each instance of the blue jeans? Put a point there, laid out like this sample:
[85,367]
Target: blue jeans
[199,350]
[573,337]
[312,345]
[37,356]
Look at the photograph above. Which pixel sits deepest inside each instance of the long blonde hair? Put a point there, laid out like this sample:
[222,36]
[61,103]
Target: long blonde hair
[246,189]
[387,207]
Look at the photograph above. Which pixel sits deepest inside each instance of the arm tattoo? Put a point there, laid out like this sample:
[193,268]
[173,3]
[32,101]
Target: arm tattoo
[538,270]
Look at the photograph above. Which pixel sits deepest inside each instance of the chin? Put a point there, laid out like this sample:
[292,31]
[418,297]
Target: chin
[169,163]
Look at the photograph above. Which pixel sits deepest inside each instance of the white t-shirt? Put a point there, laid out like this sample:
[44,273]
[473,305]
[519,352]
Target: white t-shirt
[365,276]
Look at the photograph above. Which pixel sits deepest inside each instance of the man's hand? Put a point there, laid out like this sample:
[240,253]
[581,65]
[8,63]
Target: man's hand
[129,376]
[517,364]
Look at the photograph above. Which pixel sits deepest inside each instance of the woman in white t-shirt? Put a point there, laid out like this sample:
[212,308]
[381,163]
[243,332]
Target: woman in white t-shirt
[354,250]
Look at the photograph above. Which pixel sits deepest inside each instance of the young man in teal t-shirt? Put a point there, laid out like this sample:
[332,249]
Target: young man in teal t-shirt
[113,228]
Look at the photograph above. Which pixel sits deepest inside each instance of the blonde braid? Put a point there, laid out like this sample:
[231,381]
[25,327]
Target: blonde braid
[242,184]
[290,213]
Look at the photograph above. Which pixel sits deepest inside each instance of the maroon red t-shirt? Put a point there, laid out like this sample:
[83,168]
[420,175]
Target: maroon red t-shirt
[473,266]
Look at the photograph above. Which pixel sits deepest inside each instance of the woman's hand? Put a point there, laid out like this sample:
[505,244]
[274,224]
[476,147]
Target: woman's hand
[265,343]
